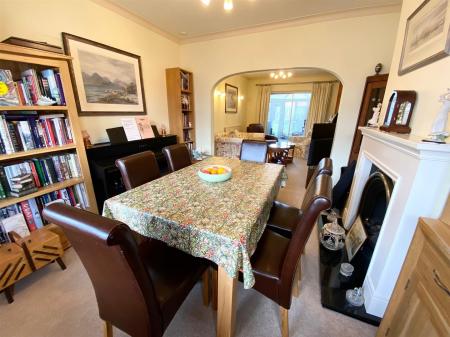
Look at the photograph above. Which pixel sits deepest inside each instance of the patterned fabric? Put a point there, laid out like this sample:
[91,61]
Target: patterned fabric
[229,144]
[221,222]
[301,146]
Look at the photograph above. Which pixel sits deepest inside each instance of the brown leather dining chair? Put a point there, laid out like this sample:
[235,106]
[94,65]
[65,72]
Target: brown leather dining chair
[253,150]
[177,156]
[277,258]
[138,169]
[139,286]
[283,218]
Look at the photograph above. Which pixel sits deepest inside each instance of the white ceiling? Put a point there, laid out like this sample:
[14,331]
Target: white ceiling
[187,19]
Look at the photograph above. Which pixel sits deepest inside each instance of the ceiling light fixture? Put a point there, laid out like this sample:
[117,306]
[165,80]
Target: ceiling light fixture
[206,2]
[228,5]
[281,74]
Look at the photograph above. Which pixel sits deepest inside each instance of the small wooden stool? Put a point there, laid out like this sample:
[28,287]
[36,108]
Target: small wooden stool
[27,254]
[14,266]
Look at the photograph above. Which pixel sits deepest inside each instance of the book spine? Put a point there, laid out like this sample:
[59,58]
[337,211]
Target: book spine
[40,172]
[35,174]
[34,132]
[49,74]
[12,133]
[60,88]
[26,136]
[36,213]
[4,180]
[69,130]
[45,171]
[5,136]
[28,214]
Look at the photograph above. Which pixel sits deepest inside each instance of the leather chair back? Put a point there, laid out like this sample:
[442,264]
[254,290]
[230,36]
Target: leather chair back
[107,249]
[254,150]
[177,156]
[138,169]
[316,200]
[325,166]
[255,128]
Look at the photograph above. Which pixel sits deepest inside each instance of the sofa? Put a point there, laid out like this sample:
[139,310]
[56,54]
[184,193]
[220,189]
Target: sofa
[228,144]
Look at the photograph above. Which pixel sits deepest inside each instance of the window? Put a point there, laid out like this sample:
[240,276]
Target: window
[288,114]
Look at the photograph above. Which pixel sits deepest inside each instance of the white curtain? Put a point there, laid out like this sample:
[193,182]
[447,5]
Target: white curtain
[264,102]
[320,102]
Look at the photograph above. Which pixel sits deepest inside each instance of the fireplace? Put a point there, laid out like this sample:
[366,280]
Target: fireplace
[419,176]
[372,210]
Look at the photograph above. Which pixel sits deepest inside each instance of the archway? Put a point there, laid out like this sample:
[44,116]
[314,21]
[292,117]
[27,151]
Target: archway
[279,99]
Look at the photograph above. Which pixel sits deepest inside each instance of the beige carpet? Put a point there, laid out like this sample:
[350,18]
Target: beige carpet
[55,303]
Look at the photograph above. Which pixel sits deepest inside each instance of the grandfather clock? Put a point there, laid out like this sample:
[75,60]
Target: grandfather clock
[373,94]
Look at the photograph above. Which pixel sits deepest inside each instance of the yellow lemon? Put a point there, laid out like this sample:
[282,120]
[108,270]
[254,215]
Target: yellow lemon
[220,170]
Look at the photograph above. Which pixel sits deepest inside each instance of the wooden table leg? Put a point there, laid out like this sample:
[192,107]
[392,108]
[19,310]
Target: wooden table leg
[226,306]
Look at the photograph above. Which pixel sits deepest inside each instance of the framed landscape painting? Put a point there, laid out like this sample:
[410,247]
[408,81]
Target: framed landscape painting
[427,35]
[231,98]
[107,81]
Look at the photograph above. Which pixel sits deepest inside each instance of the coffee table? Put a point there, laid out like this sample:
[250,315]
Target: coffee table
[281,152]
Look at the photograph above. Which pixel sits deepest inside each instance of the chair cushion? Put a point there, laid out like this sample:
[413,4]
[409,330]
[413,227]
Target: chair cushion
[283,218]
[173,273]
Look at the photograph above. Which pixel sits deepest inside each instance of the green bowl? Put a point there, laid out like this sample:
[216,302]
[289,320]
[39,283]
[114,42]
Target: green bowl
[215,178]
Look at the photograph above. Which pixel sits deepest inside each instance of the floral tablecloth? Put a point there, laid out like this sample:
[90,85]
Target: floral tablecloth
[221,222]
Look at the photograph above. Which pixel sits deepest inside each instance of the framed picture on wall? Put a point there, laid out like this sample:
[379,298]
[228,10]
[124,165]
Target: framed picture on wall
[427,35]
[231,98]
[107,80]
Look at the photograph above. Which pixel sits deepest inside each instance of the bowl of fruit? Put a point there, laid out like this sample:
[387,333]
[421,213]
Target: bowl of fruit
[215,173]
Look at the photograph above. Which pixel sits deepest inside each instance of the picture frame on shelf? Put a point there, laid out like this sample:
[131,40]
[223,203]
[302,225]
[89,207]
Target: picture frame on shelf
[231,98]
[355,238]
[427,35]
[107,80]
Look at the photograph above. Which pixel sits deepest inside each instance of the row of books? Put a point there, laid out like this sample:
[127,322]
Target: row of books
[43,88]
[26,216]
[20,179]
[26,130]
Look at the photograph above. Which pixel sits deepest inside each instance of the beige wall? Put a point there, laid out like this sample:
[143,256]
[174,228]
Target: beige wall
[348,47]
[429,82]
[254,91]
[225,120]
[44,20]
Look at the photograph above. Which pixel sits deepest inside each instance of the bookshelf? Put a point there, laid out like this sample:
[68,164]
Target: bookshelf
[17,59]
[180,101]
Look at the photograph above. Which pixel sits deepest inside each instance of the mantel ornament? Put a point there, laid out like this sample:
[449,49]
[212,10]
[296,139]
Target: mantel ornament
[438,132]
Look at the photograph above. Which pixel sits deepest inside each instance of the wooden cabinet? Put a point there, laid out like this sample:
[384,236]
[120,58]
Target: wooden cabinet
[420,303]
[373,94]
[180,102]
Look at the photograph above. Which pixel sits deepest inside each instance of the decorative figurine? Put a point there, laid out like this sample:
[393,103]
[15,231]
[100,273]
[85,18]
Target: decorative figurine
[378,68]
[373,122]
[332,236]
[355,297]
[438,133]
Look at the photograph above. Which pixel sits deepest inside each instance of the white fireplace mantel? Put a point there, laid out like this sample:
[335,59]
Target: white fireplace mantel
[421,175]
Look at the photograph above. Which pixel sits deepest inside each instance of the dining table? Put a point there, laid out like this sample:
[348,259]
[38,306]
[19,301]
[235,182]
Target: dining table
[221,222]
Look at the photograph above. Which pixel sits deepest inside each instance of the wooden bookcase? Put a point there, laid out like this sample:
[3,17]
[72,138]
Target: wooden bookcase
[17,59]
[180,102]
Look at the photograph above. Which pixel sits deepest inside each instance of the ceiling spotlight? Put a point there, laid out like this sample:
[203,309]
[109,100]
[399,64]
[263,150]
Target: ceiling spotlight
[289,74]
[276,77]
[272,75]
[281,72]
[228,5]
[206,2]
